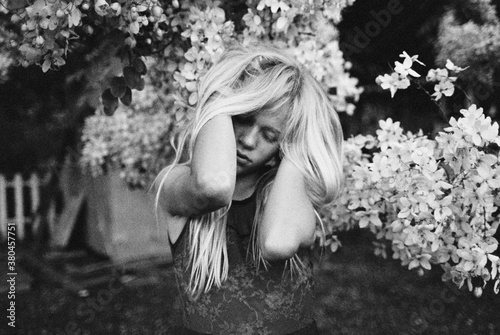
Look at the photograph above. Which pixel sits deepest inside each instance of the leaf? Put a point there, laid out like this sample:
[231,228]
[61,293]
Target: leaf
[140,84]
[193,98]
[466,227]
[134,27]
[435,245]
[126,99]
[191,86]
[109,102]
[75,17]
[118,86]
[281,23]
[59,61]
[397,226]
[482,261]
[13,5]
[132,77]
[467,266]
[493,258]
[484,170]
[413,264]
[139,66]
[364,222]
[46,65]
[476,139]
[425,263]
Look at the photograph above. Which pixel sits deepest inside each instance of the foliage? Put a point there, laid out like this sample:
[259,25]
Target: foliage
[435,200]
[6,59]
[134,143]
[184,38]
[468,33]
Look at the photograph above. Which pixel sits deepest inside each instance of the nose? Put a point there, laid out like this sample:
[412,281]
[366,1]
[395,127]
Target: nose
[248,137]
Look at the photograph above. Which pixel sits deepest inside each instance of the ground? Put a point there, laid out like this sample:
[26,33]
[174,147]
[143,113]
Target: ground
[358,293]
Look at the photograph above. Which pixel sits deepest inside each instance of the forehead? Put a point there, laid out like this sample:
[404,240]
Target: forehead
[275,118]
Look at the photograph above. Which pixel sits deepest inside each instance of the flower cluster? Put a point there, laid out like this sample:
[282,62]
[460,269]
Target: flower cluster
[184,38]
[308,30]
[400,79]
[444,83]
[208,33]
[435,201]
[50,26]
[47,27]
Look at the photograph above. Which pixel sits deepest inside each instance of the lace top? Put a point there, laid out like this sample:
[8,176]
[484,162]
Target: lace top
[265,302]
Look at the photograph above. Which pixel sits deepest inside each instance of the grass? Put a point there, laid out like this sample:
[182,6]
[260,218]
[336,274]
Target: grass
[361,293]
[357,293]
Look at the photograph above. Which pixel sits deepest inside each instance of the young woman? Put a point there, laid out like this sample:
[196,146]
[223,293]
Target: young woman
[263,156]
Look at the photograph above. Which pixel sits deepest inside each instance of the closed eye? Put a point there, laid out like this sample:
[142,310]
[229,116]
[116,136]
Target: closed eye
[270,136]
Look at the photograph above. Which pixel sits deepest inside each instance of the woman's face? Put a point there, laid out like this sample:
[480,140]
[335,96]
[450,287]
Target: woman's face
[257,136]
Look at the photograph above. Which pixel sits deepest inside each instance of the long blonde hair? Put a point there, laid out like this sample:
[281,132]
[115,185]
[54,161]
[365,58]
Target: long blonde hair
[247,80]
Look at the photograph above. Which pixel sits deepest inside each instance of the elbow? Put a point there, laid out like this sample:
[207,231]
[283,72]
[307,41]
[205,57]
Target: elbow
[273,249]
[284,247]
[214,192]
[273,253]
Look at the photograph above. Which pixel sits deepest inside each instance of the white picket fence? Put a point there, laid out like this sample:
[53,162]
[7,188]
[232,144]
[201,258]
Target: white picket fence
[19,206]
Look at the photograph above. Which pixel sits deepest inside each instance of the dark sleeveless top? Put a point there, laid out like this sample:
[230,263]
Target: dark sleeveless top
[268,301]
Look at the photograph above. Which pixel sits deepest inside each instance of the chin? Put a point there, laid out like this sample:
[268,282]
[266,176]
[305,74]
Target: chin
[247,170]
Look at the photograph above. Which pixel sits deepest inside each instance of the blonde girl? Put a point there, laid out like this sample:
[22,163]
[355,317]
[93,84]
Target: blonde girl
[262,157]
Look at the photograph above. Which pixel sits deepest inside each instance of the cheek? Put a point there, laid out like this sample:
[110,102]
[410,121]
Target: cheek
[270,152]
[237,130]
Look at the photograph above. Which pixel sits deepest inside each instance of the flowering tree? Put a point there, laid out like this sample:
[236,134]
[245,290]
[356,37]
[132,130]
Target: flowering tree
[434,200]
[183,37]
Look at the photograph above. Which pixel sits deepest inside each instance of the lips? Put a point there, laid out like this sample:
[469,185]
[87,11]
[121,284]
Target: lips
[242,156]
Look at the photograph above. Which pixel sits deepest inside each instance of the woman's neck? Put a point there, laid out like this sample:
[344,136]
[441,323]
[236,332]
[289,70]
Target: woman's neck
[245,186]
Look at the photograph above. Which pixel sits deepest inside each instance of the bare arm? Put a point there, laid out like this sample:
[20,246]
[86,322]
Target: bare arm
[207,184]
[288,221]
